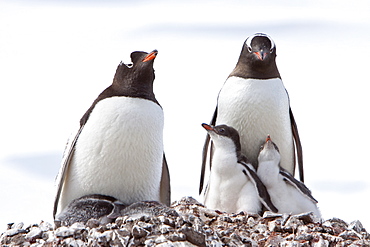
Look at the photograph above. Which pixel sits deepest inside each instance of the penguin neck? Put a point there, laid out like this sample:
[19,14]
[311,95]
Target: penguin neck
[223,160]
[268,171]
[135,90]
[255,70]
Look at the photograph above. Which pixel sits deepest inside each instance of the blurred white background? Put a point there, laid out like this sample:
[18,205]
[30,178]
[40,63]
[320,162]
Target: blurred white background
[57,56]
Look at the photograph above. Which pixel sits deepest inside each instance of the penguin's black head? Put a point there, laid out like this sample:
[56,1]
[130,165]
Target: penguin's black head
[259,47]
[223,132]
[269,151]
[269,144]
[139,73]
[132,80]
[257,58]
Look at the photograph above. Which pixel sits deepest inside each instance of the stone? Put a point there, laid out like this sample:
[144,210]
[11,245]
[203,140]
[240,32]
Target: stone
[138,232]
[189,223]
[64,232]
[193,236]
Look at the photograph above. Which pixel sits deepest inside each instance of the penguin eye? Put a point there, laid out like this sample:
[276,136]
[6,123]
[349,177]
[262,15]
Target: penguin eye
[221,131]
[249,49]
[129,65]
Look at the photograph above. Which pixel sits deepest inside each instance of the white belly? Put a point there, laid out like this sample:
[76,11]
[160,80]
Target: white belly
[229,189]
[284,196]
[289,200]
[257,108]
[119,152]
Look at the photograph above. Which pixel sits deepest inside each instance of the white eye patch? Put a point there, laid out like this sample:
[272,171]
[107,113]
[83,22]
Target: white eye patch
[250,38]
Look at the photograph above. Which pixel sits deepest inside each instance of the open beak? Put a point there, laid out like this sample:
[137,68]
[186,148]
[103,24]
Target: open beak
[150,56]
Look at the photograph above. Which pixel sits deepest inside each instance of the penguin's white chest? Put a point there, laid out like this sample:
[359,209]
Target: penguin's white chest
[229,189]
[119,152]
[257,108]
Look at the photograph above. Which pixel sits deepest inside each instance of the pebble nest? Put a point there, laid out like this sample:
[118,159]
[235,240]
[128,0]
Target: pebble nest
[192,224]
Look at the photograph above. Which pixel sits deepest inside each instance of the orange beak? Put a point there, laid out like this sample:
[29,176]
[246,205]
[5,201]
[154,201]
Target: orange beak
[261,55]
[207,127]
[150,56]
[268,138]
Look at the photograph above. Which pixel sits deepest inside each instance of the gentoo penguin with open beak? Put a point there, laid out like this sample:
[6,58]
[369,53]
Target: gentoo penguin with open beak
[287,193]
[118,149]
[254,101]
[233,185]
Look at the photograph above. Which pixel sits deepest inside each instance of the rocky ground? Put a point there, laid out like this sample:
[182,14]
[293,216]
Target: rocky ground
[189,223]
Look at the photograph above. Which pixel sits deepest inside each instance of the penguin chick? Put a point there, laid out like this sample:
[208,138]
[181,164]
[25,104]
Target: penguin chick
[89,207]
[233,185]
[287,193]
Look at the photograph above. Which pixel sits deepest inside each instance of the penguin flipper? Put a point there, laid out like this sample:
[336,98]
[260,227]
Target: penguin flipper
[298,145]
[262,192]
[204,162]
[165,188]
[301,187]
[67,156]
[206,191]
[205,152]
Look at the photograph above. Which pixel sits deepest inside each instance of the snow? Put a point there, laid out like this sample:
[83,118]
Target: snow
[57,56]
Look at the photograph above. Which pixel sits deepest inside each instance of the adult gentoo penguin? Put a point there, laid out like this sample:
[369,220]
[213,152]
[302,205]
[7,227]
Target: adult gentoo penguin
[288,194]
[118,149]
[233,185]
[254,101]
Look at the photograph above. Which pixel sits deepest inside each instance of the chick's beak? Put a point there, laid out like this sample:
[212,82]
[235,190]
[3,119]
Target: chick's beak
[207,127]
[268,138]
